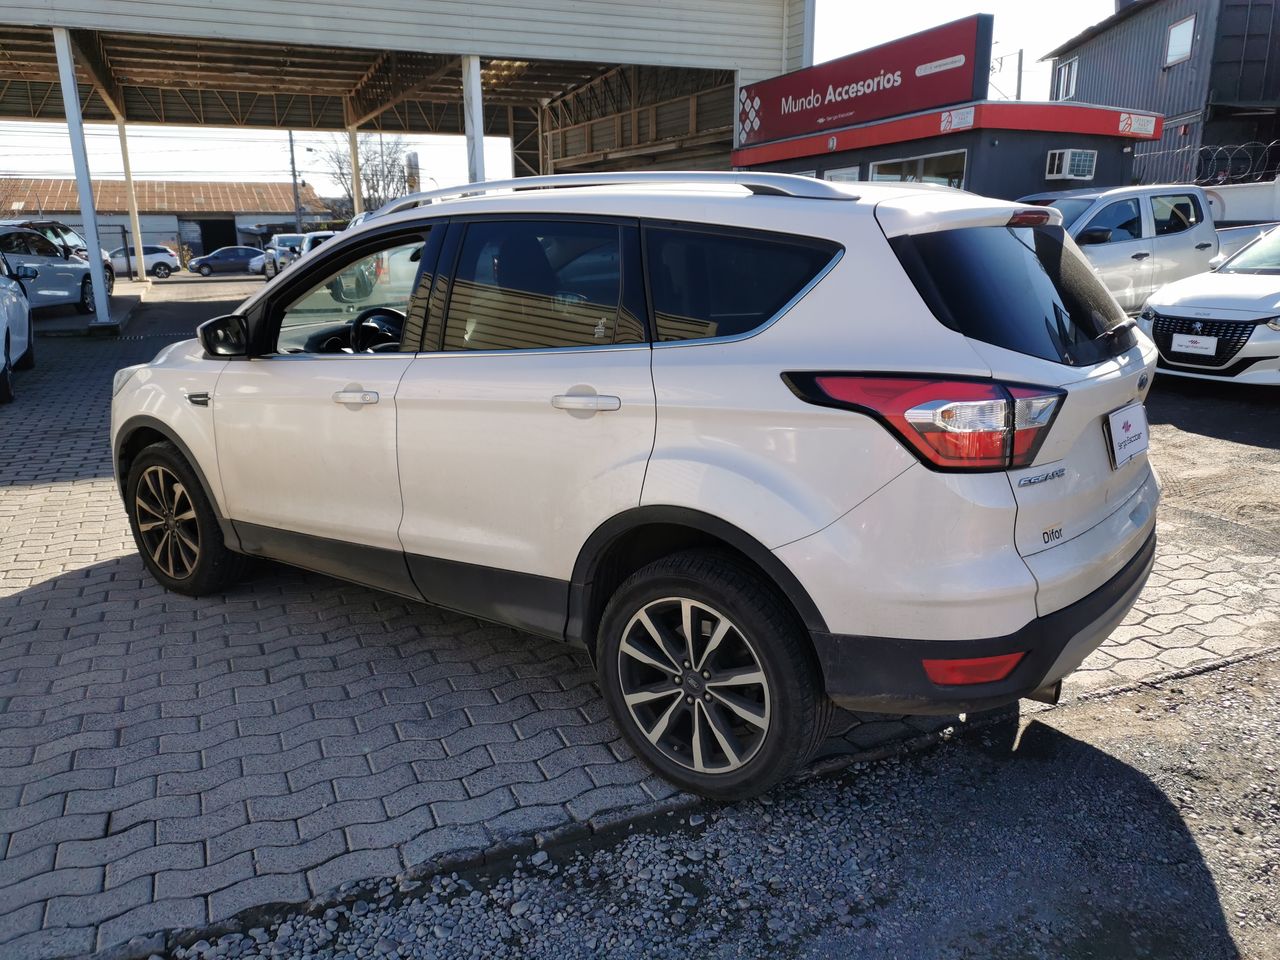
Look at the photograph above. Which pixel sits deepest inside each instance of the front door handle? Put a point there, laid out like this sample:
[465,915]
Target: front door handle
[1140,256]
[590,401]
[1204,246]
[355,396]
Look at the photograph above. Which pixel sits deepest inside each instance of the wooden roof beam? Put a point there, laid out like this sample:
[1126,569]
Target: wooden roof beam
[88,50]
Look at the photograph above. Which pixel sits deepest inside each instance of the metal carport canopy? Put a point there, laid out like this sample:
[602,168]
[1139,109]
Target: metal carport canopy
[187,81]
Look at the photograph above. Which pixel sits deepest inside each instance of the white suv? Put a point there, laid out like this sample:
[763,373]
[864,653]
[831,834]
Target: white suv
[759,443]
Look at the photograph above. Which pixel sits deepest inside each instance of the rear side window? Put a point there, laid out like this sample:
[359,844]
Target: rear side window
[529,285]
[708,285]
[1026,289]
[1175,213]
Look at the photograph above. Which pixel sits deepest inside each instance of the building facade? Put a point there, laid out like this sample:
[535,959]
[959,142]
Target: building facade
[200,216]
[916,110]
[1210,67]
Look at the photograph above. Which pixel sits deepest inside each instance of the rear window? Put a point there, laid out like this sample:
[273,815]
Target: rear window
[707,284]
[1026,289]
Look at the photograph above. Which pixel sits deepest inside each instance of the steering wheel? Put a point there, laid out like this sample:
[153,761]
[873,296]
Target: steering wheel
[375,326]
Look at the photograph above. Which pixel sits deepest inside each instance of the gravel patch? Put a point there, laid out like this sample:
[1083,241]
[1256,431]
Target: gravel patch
[1141,824]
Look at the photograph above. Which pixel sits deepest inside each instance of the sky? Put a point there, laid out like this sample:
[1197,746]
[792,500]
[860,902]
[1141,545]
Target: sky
[843,26]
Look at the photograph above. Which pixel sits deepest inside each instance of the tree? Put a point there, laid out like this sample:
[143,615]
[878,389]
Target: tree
[382,171]
[16,199]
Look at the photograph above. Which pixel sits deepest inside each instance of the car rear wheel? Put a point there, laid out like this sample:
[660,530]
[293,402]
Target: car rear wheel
[28,360]
[175,527]
[86,302]
[710,677]
[205,270]
[161,270]
[6,375]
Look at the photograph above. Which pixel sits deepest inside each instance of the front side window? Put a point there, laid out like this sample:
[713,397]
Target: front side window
[378,287]
[1064,79]
[41,247]
[708,285]
[1175,213]
[529,285]
[1181,36]
[1115,223]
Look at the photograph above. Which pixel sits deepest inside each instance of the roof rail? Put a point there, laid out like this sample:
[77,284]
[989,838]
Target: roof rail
[769,184]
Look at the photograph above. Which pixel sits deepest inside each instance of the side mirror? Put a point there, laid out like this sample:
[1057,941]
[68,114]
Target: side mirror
[1093,236]
[26,272]
[1217,260]
[225,336]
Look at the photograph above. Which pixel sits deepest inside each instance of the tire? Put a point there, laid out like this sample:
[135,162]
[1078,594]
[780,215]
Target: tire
[28,360]
[85,304]
[174,525]
[109,278]
[161,271]
[763,638]
[206,270]
[6,374]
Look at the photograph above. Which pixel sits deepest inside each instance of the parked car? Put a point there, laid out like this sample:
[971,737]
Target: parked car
[66,240]
[258,264]
[289,247]
[223,260]
[1138,238]
[61,278]
[157,260]
[759,443]
[1224,324]
[17,333]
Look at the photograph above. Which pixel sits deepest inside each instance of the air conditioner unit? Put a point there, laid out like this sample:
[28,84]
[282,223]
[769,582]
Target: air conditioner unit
[1070,164]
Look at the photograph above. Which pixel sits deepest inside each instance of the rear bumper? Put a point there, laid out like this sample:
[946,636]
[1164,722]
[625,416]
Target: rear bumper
[886,675]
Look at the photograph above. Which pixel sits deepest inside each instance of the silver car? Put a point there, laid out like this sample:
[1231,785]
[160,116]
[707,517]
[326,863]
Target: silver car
[61,277]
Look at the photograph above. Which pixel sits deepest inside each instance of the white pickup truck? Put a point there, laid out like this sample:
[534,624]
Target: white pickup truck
[1141,238]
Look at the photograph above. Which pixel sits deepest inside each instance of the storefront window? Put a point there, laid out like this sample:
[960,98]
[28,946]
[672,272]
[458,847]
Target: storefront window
[946,169]
[844,174]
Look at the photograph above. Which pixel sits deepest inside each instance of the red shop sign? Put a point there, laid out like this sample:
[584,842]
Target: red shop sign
[948,64]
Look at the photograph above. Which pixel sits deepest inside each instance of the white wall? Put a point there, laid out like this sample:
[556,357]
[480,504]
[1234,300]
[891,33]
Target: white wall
[746,35]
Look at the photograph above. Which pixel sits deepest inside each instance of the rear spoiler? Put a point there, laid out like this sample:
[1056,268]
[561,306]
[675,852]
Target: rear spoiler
[931,212]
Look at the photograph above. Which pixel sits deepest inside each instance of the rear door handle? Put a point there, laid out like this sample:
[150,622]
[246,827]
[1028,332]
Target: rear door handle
[355,396]
[590,401]
[1140,256]
[1204,246]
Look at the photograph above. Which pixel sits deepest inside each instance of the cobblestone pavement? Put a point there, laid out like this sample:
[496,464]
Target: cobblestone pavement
[166,762]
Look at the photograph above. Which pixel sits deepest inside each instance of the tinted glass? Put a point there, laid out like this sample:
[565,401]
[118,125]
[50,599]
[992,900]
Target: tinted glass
[1262,256]
[1071,207]
[41,247]
[1175,213]
[527,285]
[151,250]
[1123,218]
[12,243]
[1025,289]
[722,285]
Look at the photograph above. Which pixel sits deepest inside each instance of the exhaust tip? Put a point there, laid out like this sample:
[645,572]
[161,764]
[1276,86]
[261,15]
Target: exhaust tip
[1050,693]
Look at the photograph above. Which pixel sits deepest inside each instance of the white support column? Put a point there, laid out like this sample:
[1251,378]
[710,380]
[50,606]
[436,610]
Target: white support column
[473,117]
[80,160]
[137,259]
[357,188]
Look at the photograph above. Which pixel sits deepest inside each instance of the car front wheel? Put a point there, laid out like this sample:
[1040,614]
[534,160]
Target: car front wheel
[205,270]
[161,270]
[710,676]
[86,302]
[175,527]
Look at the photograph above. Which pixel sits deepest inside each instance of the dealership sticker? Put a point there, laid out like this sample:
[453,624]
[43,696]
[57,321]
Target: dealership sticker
[1137,124]
[957,119]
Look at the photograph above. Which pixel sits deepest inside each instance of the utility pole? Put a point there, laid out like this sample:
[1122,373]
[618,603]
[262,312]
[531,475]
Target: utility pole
[297,204]
[1018,93]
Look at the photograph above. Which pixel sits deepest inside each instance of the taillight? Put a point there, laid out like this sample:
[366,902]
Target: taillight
[1029,218]
[950,424]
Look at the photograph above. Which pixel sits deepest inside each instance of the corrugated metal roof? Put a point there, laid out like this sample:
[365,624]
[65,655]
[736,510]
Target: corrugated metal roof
[156,196]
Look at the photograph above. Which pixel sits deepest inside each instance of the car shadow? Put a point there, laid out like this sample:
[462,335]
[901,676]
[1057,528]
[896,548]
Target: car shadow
[1242,413]
[1027,843]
